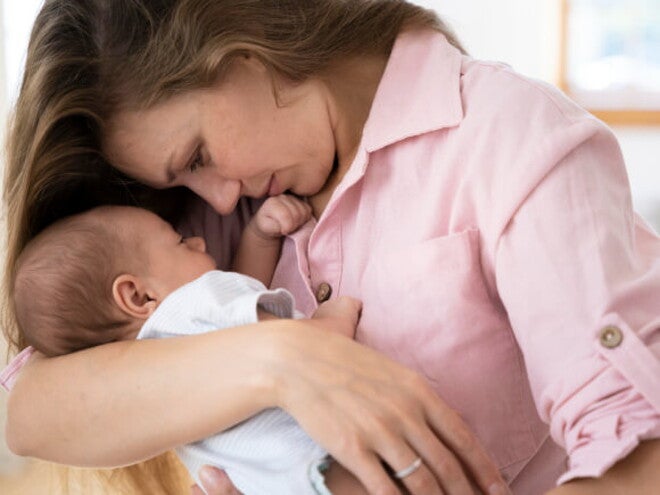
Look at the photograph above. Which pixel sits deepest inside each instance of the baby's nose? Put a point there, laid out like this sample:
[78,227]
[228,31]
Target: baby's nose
[196,243]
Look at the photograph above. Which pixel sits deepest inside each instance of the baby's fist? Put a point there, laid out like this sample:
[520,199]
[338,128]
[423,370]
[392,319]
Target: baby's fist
[280,215]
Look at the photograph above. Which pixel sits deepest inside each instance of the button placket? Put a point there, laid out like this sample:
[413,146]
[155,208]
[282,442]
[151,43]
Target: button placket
[325,261]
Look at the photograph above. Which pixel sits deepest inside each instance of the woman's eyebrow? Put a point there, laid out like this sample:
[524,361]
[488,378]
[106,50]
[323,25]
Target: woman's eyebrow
[170,167]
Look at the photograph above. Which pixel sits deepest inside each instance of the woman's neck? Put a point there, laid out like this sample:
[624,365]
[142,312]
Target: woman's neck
[351,88]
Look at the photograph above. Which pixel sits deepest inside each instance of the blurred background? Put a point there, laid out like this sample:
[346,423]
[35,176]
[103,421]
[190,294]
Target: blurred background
[605,53]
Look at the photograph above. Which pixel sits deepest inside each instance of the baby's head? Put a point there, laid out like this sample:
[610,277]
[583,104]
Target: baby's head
[95,277]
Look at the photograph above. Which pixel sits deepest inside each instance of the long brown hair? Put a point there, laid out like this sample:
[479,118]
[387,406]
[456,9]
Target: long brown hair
[89,58]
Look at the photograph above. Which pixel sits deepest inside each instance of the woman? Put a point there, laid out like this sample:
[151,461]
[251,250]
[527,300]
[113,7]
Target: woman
[483,219]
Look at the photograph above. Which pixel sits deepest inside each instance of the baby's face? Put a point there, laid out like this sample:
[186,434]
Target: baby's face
[170,260]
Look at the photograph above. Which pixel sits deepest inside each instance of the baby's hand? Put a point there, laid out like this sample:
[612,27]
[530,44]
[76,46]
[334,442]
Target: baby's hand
[344,308]
[280,215]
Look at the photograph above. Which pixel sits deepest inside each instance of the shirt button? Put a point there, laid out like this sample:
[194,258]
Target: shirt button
[323,292]
[611,337]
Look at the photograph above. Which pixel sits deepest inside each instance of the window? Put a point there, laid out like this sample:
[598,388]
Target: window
[611,58]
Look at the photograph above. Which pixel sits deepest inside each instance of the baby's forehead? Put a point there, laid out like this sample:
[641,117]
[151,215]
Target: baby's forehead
[133,216]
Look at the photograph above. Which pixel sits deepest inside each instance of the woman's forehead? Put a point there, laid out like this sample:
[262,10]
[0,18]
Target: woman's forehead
[146,144]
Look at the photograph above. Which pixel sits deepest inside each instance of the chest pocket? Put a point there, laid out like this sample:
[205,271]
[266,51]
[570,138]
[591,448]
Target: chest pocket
[425,305]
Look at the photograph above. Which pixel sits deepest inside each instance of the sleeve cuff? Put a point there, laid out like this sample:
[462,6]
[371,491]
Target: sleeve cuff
[593,456]
[10,373]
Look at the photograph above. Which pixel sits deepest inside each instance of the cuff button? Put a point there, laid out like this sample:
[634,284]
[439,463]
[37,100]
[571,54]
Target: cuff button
[611,337]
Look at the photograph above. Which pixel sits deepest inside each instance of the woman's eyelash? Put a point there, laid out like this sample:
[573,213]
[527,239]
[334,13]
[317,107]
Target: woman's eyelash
[196,161]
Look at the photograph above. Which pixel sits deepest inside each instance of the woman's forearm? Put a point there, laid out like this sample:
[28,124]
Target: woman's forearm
[127,401]
[637,474]
[124,402]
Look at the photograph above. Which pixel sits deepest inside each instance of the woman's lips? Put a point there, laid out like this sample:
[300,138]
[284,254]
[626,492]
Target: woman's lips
[274,187]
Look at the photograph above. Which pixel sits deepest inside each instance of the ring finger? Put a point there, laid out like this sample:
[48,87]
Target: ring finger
[413,474]
[441,461]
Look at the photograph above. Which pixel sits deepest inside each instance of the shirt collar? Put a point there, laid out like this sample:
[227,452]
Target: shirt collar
[419,91]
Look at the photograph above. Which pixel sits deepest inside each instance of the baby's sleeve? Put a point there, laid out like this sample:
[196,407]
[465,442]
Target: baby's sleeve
[216,300]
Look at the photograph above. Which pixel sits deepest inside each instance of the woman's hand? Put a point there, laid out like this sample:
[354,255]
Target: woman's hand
[367,410]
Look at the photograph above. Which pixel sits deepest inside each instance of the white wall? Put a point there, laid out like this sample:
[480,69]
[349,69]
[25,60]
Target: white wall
[16,26]
[3,74]
[522,33]
[525,34]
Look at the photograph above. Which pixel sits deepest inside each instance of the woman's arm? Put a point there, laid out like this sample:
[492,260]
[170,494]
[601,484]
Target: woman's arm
[126,401]
[123,402]
[637,474]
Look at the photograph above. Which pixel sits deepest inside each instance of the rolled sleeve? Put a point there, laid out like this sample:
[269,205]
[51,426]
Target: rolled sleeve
[9,375]
[579,275]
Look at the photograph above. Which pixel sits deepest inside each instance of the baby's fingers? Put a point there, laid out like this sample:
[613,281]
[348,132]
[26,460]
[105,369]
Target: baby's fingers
[215,482]
[290,213]
[299,211]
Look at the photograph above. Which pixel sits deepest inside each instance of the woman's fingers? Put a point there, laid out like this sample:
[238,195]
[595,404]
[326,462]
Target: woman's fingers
[463,446]
[215,482]
[369,470]
[418,458]
[342,307]
[414,473]
[372,409]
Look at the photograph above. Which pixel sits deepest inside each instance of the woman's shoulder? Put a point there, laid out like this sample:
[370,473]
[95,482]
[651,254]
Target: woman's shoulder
[524,124]
[495,90]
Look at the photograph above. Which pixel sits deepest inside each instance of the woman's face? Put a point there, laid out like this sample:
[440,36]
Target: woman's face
[231,140]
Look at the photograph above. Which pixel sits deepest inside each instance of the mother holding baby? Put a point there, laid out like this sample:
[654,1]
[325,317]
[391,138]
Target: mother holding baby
[510,333]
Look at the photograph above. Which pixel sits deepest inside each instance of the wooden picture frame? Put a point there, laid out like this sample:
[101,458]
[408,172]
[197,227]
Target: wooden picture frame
[610,58]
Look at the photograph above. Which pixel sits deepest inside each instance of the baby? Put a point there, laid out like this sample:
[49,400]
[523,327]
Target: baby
[117,273]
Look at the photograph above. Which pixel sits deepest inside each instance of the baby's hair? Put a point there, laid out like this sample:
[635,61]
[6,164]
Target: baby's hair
[63,286]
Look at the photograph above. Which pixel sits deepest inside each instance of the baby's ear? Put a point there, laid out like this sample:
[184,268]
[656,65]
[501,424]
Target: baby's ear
[133,297]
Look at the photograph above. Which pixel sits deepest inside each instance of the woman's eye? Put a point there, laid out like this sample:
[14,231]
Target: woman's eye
[196,162]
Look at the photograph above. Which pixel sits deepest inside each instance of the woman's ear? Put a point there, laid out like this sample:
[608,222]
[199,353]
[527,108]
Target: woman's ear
[133,297]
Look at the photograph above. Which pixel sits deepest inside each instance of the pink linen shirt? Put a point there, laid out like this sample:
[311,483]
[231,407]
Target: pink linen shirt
[486,224]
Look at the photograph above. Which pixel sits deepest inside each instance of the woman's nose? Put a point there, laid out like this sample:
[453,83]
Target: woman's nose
[221,194]
[196,243]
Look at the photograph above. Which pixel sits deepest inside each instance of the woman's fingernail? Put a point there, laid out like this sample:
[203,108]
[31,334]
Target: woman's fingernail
[209,477]
[498,489]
